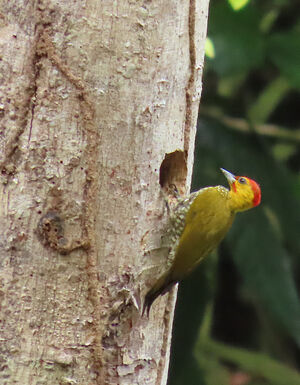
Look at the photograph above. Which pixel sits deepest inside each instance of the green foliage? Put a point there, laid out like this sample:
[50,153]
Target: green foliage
[268,100]
[284,52]
[233,33]
[258,365]
[209,48]
[238,4]
[248,124]
[266,270]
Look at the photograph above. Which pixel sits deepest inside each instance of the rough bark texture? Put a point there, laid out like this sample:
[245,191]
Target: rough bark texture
[93,95]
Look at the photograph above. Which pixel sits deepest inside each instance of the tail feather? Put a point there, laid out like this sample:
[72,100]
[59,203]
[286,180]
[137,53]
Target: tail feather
[162,286]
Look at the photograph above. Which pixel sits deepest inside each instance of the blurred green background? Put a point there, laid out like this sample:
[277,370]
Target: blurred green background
[237,318]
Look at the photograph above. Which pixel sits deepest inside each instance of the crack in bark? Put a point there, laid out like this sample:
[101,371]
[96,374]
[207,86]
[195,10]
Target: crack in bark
[33,99]
[32,113]
[191,82]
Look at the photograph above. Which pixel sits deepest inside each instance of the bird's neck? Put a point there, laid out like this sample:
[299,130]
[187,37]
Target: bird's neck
[239,201]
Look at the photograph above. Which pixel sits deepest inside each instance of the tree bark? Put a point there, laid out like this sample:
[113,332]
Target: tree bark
[98,108]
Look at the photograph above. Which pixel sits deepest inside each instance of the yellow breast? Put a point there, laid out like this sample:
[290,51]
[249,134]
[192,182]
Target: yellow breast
[207,221]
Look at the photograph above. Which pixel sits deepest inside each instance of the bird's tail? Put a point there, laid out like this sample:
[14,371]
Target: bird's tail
[163,284]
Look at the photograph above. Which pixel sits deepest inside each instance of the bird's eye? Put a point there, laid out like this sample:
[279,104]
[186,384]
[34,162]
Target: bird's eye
[242,180]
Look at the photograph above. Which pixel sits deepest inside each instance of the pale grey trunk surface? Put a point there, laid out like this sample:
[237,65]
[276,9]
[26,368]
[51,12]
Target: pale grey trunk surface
[93,94]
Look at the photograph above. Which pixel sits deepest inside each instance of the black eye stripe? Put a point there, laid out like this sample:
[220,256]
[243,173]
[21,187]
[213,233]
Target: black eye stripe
[242,180]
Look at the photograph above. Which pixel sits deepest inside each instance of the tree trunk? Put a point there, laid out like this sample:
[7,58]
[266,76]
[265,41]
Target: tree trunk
[98,111]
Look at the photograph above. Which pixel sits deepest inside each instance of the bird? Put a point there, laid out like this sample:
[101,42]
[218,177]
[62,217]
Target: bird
[198,224]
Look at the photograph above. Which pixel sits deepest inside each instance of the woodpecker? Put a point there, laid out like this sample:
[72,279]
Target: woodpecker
[198,223]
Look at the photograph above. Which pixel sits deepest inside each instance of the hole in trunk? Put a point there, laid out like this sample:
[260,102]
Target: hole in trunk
[173,172]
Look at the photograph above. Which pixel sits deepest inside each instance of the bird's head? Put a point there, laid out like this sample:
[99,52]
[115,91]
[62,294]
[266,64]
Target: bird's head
[244,192]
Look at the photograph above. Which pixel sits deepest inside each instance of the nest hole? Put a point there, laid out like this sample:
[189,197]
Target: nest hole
[173,171]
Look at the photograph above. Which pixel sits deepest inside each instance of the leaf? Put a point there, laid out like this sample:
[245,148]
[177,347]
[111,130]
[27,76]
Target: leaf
[233,33]
[284,151]
[283,50]
[268,100]
[214,373]
[209,48]
[238,4]
[266,270]
[257,364]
